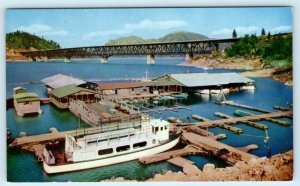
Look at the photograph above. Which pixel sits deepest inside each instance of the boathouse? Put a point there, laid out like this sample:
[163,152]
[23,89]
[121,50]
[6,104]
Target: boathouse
[61,80]
[138,88]
[125,88]
[200,81]
[26,102]
[61,96]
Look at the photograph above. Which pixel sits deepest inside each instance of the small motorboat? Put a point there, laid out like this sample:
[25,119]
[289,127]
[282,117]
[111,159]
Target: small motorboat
[166,98]
[180,95]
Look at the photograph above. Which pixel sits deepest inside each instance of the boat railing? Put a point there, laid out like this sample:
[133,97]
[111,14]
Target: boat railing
[105,128]
[111,136]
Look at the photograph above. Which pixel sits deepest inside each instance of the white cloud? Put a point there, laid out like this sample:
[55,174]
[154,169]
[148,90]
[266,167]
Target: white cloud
[42,30]
[142,25]
[240,30]
[249,30]
[281,29]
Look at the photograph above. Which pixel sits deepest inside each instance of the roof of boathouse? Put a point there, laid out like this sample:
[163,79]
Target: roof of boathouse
[69,90]
[26,97]
[127,85]
[205,79]
[60,80]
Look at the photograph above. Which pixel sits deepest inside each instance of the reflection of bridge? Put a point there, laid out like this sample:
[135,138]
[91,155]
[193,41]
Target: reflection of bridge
[167,48]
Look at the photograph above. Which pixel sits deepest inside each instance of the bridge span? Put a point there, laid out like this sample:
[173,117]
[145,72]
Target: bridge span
[189,48]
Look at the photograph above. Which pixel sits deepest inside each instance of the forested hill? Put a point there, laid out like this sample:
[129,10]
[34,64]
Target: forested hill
[26,41]
[172,37]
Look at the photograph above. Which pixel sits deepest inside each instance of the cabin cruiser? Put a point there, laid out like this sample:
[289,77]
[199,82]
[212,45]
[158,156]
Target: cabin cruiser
[107,148]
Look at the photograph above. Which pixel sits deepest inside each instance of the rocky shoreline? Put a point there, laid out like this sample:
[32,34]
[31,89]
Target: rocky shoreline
[277,168]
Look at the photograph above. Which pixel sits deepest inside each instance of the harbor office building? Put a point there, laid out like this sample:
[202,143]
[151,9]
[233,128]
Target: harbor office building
[192,82]
[62,96]
[26,102]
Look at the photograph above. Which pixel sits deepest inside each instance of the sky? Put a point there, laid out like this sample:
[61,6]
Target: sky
[92,27]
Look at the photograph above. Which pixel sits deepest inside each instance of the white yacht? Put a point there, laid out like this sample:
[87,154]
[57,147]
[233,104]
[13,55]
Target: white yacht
[107,148]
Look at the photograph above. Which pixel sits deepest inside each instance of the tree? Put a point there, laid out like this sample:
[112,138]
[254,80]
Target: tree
[269,35]
[263,32]
[234,34]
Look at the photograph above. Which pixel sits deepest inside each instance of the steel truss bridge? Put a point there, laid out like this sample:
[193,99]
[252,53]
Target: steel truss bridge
[104,52]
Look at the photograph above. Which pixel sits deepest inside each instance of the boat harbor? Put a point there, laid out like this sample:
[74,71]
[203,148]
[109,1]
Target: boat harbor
[114,113]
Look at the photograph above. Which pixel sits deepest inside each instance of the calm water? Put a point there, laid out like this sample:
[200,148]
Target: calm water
[22,166]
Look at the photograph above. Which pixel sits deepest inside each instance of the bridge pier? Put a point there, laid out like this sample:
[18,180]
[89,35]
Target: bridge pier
[46,59]
[103,60]
[31,59]
[189,57]
[67,59]
[150,59]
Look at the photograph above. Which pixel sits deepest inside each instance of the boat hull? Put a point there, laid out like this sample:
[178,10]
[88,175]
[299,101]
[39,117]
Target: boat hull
[49,169]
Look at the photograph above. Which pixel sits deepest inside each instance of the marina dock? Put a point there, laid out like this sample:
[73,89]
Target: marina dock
[231,103]
[249,123]
[280,122]
[231,121]
[226,152]
[189,149]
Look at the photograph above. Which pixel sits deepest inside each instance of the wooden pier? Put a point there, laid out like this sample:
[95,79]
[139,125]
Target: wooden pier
[230,154]
[199,118]
[250,123]
[189,149]
[280,122]
[231,121]
[187,166]
[282,108]
[231,103]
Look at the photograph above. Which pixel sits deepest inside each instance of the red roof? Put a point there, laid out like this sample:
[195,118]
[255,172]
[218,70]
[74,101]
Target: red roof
[118,86]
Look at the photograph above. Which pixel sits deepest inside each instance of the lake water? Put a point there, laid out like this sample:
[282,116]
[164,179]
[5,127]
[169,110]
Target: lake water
[22,166]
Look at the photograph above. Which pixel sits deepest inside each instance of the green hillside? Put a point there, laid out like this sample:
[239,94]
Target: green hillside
[126,40]
[182,36]
[172,37]
[24,40]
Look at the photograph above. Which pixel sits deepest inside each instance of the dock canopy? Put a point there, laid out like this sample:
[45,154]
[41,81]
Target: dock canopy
[61,80]
[26,97]
[205,79]
[69,90]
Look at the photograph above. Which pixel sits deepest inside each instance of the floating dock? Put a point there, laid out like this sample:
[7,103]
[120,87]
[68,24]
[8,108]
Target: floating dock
[231,103]
[189,149]
[282,108]
[280,122]
[231,121]
[199,118]
[230,154]
[250,123]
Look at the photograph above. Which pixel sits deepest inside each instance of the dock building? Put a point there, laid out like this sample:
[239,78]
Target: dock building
[26,102]
[61,80]
[62,96]
[192,82]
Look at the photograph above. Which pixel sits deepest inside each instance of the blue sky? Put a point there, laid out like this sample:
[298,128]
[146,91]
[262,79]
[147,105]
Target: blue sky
[87,27]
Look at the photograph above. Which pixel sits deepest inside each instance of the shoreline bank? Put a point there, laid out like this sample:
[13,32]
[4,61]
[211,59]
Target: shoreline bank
[277,168]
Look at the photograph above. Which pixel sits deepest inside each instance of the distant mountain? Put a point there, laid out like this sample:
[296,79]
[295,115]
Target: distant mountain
[127,40]
[24,40]
[172,37]
[182,36]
